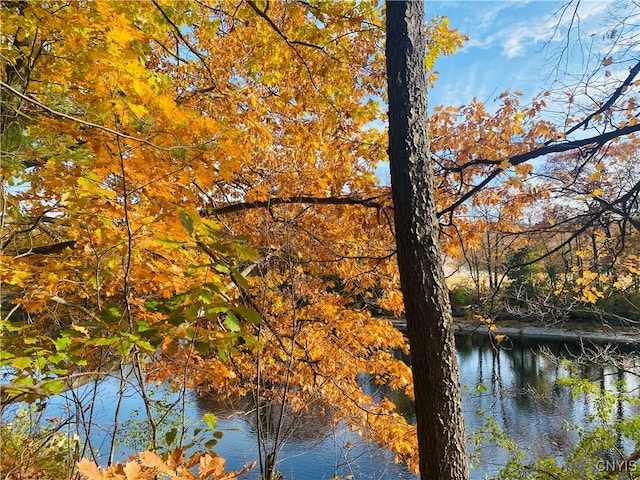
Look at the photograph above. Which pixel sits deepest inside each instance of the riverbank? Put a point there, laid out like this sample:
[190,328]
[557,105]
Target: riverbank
[569,333]
[553,334]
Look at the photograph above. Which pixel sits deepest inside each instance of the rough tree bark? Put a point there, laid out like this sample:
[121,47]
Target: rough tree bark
[441,435]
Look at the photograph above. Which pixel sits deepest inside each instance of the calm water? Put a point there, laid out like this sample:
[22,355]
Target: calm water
[521,395]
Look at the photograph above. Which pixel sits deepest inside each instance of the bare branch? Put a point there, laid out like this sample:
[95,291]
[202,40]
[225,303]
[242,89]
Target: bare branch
[633,73]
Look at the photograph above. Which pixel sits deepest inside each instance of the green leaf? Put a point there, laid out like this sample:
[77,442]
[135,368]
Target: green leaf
[251,315]
[111,313]
[205,296]
[231,322]
[40,363]
[176,320]
[245,252]
[209,444]
[145,345]
[53,387]
[170,436]
[72,333]
[10,327]
[211,420]
[4,355]
[21,362]
[124,348]
[169,243]
[103,342]
[187,222]
[203,347]
[213,311]
[62,343]
[78,360]
[239,278]
[59,357]
[59,371]
[153,305]
[142,325]
[222,355]
[222,268]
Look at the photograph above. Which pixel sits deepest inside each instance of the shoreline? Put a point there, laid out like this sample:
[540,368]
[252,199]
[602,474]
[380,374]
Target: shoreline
[552,334]
[542,333]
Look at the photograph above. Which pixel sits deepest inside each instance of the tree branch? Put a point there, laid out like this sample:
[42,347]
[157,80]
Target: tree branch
[612,99]
[10,394]
[373,202]
[598,140]
[47,249]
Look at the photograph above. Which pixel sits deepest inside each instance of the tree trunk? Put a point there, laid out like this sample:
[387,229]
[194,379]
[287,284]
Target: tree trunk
[441,436]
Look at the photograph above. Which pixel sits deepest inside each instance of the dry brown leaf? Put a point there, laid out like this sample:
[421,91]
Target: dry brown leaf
[211,464]
[134,471]
[176,458]
[152,459]
[89,469]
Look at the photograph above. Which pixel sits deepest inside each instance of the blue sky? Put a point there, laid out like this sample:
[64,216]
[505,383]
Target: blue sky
[512,45]
[532,47]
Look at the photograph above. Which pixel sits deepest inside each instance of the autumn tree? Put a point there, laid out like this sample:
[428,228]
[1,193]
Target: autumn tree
[189,188]
[591,237]
[580,196]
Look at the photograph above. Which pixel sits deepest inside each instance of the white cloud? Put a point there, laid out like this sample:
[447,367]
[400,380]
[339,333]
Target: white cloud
[524,46]
[498,24]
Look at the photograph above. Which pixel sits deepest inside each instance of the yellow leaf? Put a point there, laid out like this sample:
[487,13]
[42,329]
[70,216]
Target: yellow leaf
[81,329]
[505,164]
[516,182]
[589,296]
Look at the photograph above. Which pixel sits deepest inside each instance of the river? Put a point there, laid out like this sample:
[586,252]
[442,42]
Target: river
[519,391]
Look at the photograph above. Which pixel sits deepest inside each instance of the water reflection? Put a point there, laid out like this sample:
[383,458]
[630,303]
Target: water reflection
[520,393]
[316,448]
[524,398]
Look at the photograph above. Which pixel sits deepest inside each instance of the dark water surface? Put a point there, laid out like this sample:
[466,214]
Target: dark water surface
[520,393]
